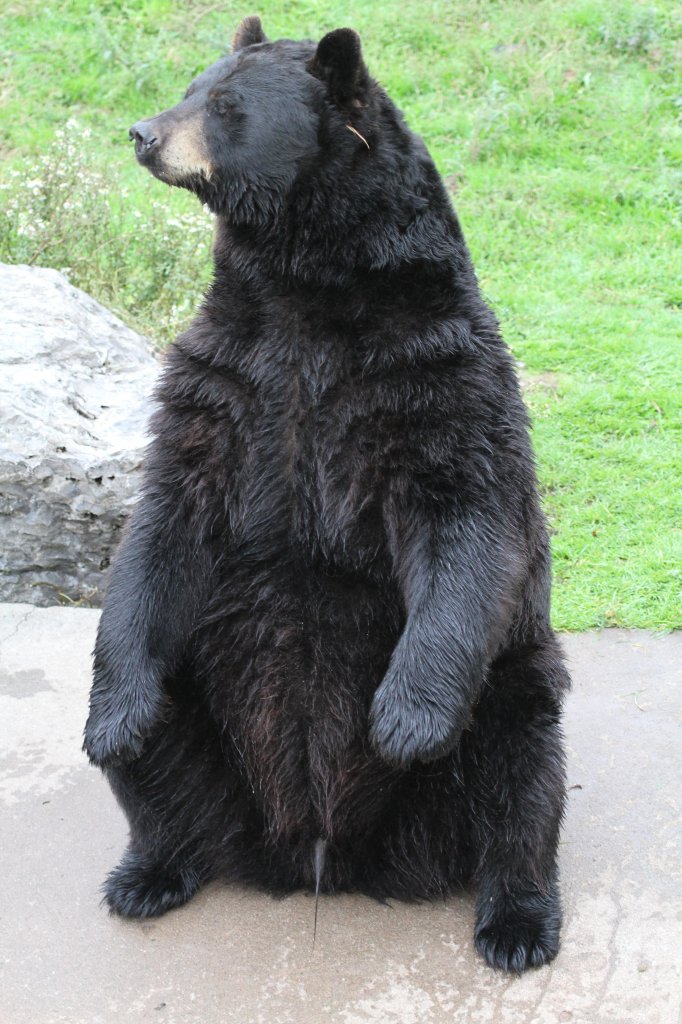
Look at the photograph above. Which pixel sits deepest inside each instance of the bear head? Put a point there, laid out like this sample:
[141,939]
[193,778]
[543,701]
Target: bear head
[253,122]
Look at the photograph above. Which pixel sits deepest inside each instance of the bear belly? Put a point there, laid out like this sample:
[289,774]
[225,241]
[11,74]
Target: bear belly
[290,657]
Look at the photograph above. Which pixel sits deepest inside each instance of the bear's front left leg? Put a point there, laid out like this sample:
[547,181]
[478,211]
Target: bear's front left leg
[156,585]
[459,580]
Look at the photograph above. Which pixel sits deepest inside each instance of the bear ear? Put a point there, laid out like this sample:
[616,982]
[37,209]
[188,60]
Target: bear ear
[338,62]
[249,33]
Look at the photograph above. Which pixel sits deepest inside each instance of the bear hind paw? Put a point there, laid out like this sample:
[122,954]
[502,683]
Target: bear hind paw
[142,887]
[514,935]
[513,949]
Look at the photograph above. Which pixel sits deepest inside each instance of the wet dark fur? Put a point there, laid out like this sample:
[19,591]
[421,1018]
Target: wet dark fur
[330,614]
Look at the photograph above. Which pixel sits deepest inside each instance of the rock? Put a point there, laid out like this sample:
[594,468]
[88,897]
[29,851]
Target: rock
[75,386]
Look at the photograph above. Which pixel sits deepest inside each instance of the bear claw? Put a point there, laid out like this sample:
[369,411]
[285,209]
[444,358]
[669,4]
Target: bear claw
[511,950]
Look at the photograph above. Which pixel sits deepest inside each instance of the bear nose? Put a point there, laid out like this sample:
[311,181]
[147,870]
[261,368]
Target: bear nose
[143,135]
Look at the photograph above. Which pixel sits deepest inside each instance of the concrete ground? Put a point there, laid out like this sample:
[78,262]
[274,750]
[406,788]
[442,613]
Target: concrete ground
[238,956]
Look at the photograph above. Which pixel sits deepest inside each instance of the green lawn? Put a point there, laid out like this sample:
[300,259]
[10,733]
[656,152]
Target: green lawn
[557,125]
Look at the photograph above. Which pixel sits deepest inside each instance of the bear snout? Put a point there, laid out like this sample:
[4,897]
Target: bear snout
[144,137]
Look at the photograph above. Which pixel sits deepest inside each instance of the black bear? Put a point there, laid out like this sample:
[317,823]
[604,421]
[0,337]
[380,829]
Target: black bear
[325,657]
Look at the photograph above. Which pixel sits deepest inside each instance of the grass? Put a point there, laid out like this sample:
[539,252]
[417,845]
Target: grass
[557,127]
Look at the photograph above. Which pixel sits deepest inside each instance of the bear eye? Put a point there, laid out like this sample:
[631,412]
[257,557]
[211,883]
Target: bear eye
[220,103]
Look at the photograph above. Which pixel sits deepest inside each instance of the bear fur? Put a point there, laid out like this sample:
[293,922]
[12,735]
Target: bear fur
[325,655]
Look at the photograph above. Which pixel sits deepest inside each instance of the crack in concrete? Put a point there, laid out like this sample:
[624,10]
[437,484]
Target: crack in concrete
[22,621]
[613,950]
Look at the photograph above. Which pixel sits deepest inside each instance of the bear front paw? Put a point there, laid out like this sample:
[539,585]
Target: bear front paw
[120,721]
[110,744]
[407,726]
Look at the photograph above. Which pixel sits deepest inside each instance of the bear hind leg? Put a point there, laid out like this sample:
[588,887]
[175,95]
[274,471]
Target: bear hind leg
[518,808]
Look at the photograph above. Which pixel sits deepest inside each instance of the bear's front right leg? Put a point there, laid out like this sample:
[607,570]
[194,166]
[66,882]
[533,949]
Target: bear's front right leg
[156,586]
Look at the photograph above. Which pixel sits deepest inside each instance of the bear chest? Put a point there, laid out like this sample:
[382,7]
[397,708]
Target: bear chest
[320,445]
[315,450]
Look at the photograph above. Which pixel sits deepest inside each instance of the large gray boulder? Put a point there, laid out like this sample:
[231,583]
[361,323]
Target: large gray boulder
[75,384]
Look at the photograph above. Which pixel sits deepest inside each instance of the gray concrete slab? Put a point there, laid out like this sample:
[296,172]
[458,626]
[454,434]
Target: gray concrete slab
[237,956]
